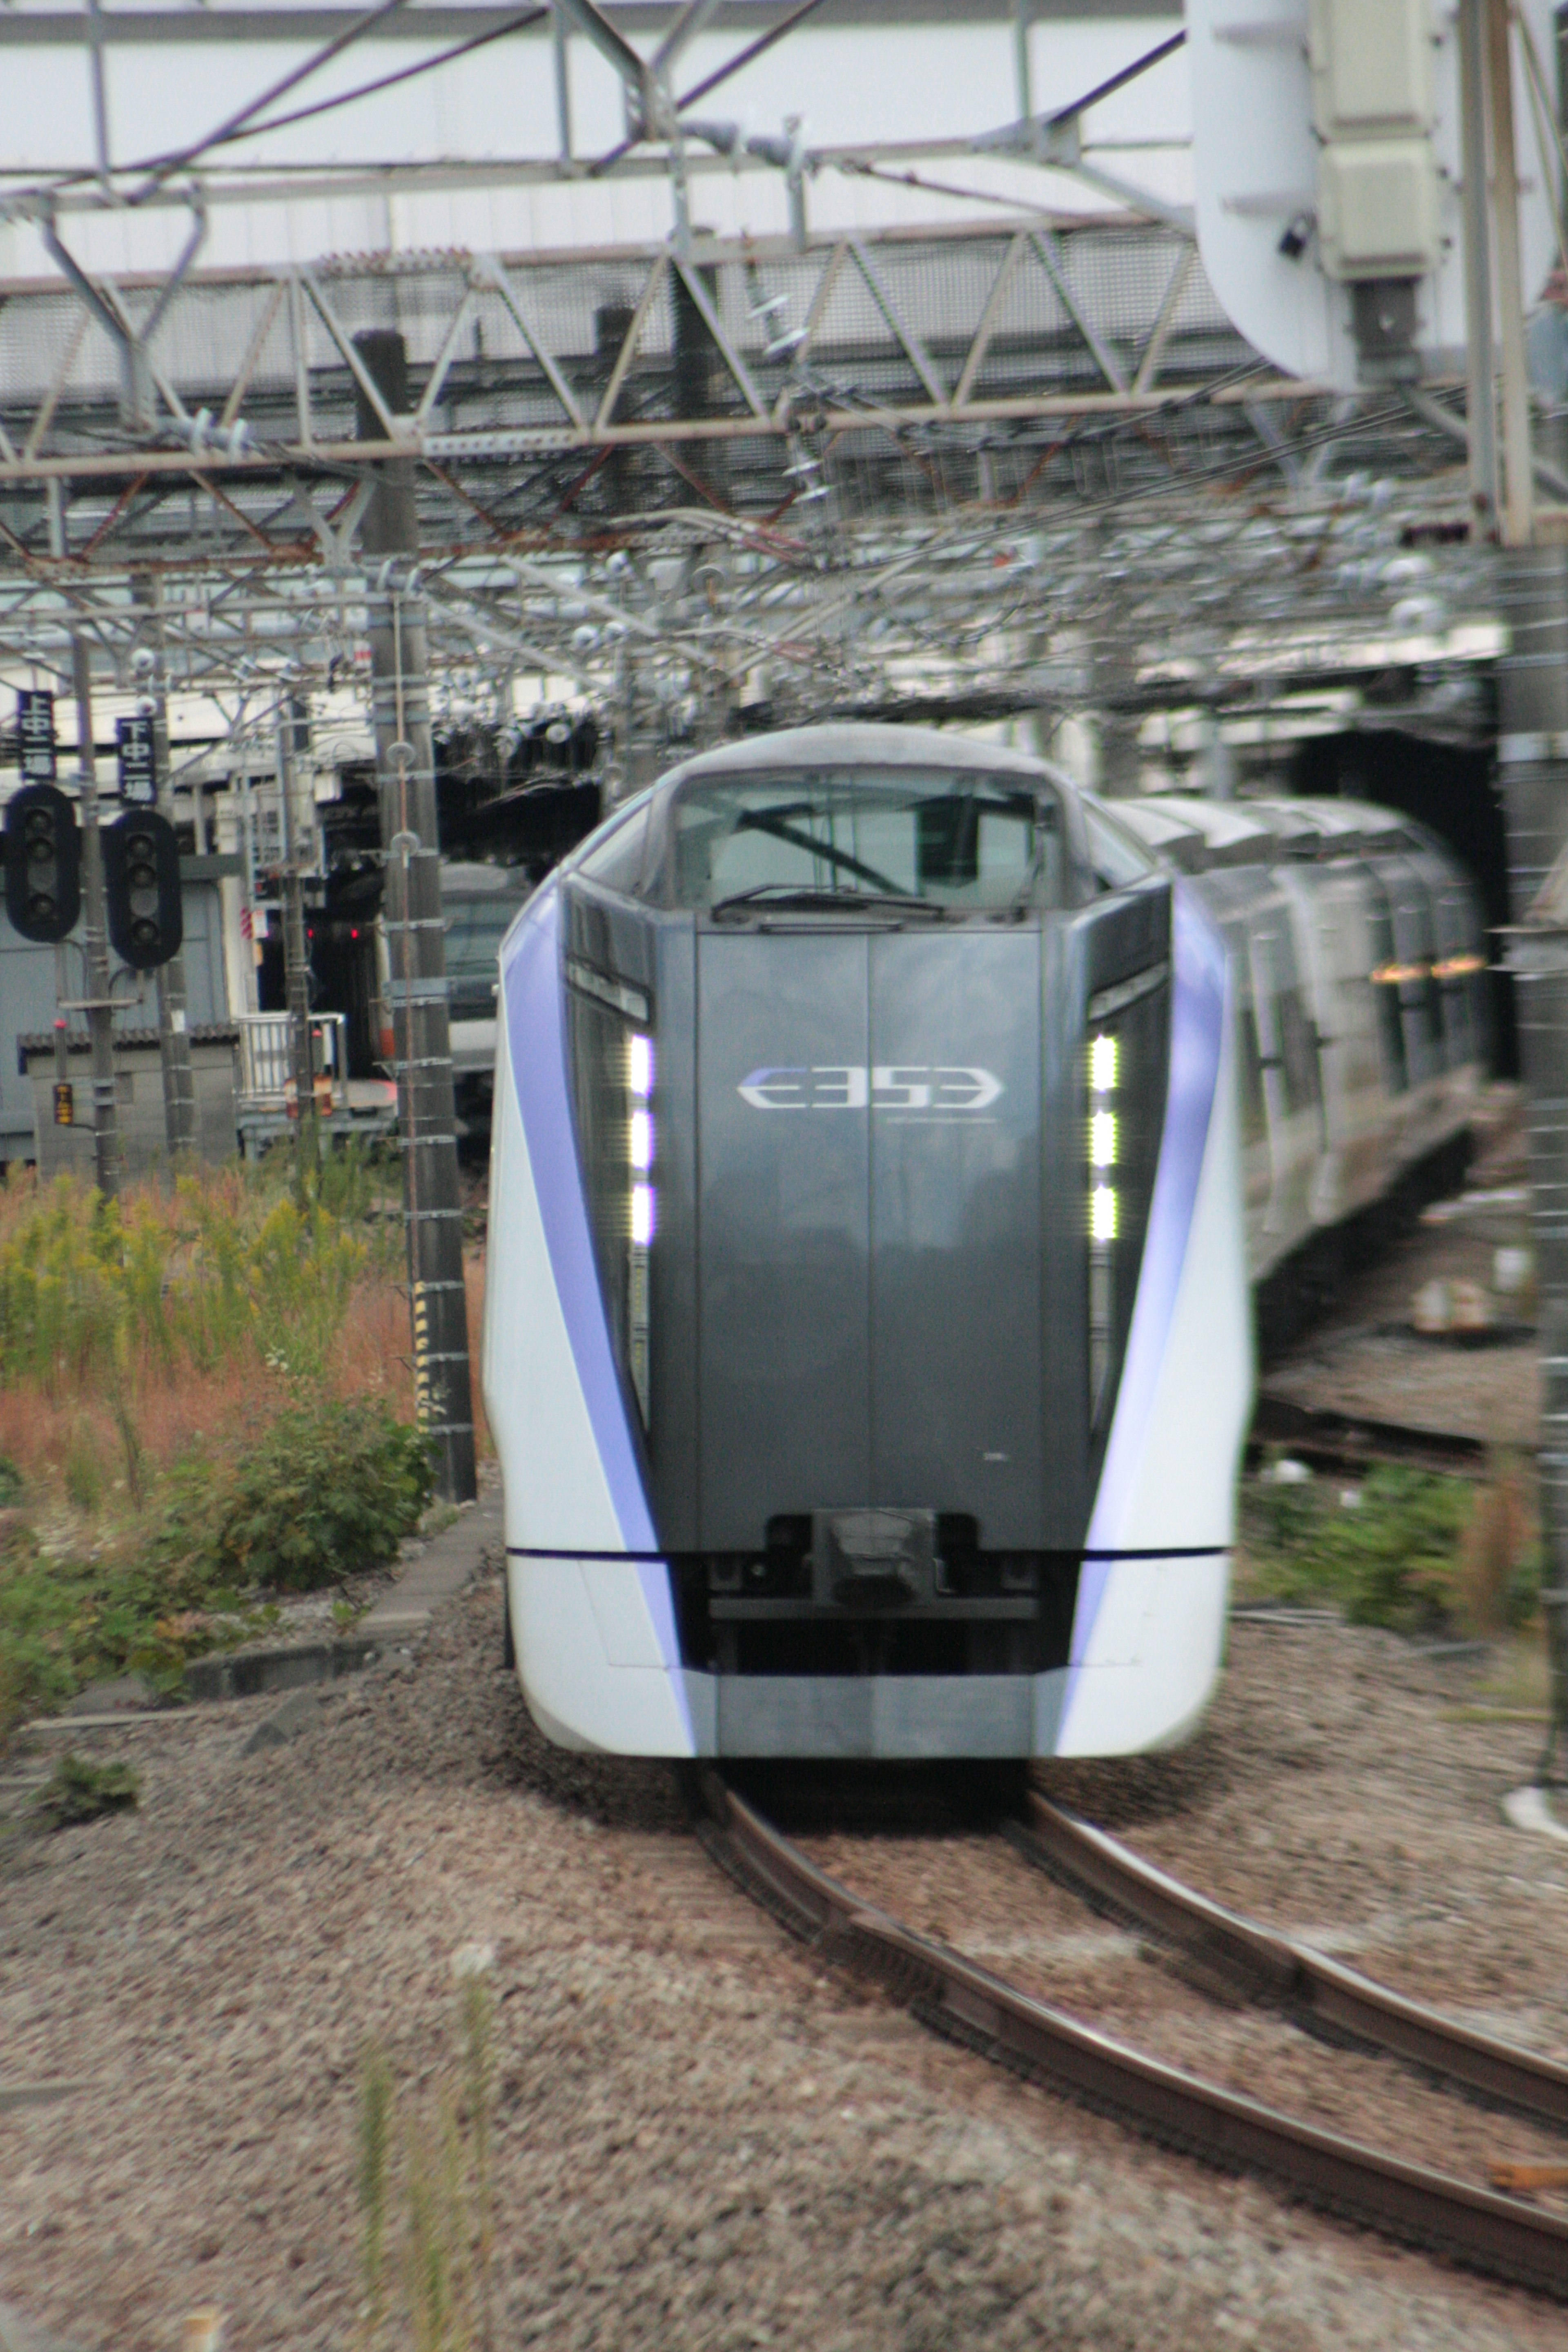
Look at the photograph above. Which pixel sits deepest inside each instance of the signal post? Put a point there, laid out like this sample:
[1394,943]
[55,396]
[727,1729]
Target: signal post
[416,933]
[174,1034]
[1532,743]
[124,880]
[95,939]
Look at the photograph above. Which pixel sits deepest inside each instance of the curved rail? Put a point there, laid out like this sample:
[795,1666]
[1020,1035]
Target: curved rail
[1496,2235]
[1279,1973]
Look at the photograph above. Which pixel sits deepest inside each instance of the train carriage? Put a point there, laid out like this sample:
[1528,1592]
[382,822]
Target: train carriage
[1358,954]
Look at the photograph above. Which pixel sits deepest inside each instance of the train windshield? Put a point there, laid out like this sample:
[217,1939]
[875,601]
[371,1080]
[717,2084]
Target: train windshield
[903,837]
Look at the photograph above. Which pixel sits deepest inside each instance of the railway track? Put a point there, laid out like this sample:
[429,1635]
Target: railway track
[1498,2236]
[1277,1972]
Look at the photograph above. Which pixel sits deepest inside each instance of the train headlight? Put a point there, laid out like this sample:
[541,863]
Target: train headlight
[1104,1074]
[640,1148]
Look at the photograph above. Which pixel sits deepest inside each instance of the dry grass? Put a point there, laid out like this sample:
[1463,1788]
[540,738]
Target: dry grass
[151,1351]
[91,1423]
[374,1352]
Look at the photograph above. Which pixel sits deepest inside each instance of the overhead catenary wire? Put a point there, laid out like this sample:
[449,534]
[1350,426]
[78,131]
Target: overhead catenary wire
[383,81]
[164,167]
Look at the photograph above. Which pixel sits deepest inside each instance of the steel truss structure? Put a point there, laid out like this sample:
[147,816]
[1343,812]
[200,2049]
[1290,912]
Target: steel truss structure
[974,470]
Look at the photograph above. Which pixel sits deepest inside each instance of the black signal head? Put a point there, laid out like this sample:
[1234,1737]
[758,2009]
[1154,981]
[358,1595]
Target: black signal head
[43,864]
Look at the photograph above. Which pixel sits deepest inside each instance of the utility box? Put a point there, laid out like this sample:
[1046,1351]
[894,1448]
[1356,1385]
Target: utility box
[1371,68]
[1371,104]
[65,1147]
[1377,208]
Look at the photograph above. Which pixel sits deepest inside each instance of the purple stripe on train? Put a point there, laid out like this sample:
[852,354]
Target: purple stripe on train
[536,1031]
[1197,1035]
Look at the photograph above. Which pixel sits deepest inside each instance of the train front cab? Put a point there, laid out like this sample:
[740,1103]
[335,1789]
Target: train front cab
[901,1417]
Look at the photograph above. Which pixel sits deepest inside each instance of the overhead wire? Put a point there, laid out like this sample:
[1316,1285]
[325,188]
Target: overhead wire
[156,170]
[386,81]
[164,167]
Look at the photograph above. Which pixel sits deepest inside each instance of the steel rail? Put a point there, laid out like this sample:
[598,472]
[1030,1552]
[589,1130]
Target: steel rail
[1498,2236]
[1279,1973]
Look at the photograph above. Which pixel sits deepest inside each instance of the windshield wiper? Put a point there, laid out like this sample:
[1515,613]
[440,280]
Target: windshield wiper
[795,895]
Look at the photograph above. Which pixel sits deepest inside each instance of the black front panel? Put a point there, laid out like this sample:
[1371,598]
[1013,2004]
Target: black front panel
[871,1284]
[1122,999]
[672,1433]
[609,1000]
[783,1344]
[955,1293]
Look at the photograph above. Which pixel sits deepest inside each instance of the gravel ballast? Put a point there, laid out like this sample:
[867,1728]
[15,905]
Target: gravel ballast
[704,2140]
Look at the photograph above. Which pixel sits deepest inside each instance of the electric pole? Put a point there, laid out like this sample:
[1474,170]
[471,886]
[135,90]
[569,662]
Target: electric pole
[95,937]
[295,967]
[174,1034]
[415,934]
[1532,751]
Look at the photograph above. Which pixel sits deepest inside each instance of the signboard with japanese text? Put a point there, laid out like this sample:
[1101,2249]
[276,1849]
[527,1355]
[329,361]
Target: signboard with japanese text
[137,761]
[36,734]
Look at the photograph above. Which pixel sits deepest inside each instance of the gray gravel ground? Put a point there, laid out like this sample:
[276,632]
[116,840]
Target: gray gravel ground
[702,2142]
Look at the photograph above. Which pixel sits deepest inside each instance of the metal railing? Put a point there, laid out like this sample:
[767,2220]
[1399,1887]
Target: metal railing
[266,1067]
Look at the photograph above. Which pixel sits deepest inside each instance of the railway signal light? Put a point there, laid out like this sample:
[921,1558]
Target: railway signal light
[43,863]
[142,888]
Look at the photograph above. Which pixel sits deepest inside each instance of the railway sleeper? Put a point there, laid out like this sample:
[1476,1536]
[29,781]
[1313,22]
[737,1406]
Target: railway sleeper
[1335,2004]
[1498,2236]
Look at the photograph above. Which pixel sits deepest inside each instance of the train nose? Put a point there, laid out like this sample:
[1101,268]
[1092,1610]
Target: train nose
[869,1280]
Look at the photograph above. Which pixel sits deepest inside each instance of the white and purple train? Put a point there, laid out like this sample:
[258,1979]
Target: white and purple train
[868,1341]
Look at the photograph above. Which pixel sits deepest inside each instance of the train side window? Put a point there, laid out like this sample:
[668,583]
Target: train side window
[1253,1114]
[1249,1054]
[1385,985]
[616,861]
[1294,1039]
[1298,1050]
[1461,973]
[1423,994]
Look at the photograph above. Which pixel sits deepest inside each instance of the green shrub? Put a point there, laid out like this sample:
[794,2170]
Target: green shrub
[67,1623]
[10,1483]
[358,1180]
[80,1792]
[1522,1597]
[1282,1519]
[1394,1558]
[1390,1559]
[38,1635]
[328,1489]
